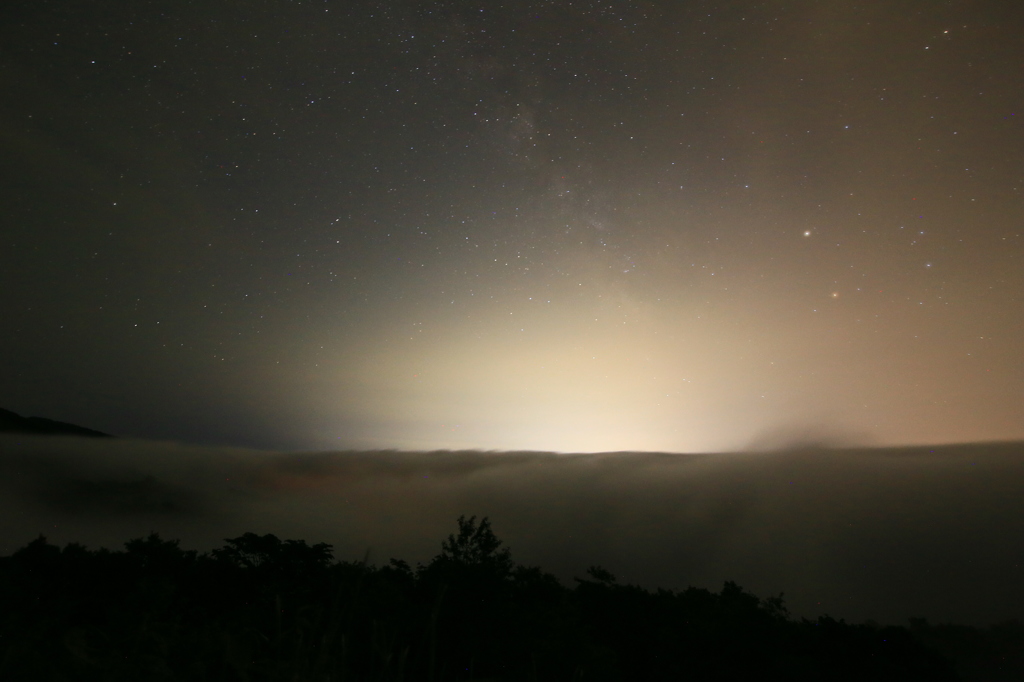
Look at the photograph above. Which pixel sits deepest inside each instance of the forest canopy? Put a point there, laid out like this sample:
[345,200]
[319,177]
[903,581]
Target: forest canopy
[262,608]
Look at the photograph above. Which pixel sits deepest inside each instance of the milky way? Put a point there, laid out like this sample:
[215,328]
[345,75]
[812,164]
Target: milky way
[675,226]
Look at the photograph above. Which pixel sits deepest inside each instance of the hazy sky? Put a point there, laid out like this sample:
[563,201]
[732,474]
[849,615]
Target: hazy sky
[575,226]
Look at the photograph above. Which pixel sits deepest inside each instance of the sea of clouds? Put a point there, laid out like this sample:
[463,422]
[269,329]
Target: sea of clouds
[858,533]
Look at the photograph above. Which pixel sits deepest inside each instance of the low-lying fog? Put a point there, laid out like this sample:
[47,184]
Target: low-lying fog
[858,533]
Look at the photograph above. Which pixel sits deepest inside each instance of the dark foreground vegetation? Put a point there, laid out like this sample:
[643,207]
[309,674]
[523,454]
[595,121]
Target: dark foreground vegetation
[264,609]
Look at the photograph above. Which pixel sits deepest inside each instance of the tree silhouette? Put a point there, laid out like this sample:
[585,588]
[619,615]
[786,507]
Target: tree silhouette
[267,551]
[476,545]
[262,609]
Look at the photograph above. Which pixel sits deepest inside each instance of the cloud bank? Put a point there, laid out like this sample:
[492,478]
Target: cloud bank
[882,533]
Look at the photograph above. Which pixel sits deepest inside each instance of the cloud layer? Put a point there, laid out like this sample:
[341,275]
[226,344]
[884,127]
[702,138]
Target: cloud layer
[882,533]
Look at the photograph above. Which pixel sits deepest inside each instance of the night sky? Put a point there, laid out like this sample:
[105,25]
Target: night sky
[565,226]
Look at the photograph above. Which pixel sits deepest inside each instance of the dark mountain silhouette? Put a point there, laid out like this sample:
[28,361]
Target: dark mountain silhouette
[11,422]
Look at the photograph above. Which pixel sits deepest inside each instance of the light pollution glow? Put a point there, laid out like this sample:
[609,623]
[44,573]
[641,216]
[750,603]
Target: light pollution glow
[570,227]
